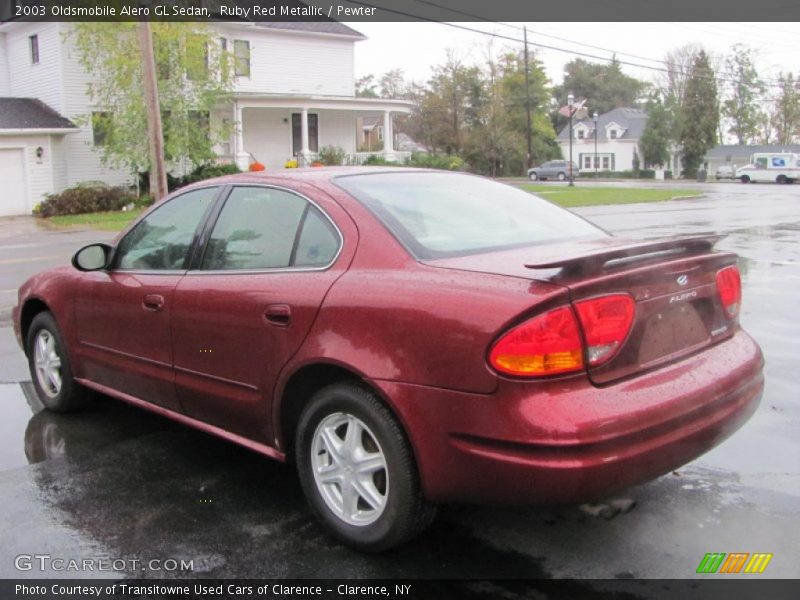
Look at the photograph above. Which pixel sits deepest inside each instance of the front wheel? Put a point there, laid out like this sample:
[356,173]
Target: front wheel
[744,179]
[357,470]
[533,176]
[562,176]
[49,366]
[781,179]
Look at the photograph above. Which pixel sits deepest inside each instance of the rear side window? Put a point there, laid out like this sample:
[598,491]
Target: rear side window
[436,215]
[266,228]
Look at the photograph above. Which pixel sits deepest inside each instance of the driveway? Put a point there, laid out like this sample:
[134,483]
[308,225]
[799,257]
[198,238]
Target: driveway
[117,482]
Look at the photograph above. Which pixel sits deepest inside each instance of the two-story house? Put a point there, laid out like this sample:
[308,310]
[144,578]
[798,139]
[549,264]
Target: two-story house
[294,93]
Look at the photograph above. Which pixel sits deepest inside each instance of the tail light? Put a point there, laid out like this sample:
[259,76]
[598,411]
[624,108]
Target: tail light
[606,321]
[729,288]
[548,344]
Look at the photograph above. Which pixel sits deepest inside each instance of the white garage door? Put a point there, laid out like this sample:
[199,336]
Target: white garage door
[13,196]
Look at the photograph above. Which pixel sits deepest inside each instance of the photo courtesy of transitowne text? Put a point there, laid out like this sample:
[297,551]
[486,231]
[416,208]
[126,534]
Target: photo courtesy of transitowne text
[419,299]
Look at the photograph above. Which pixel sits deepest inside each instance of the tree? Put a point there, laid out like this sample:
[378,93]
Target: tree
[743,107]
[700,116]
[655,140]
[365,87]
[605,86]
[786,112]
[195,76]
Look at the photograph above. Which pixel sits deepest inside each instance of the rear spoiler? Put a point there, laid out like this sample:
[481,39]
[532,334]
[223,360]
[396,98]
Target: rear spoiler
[594,260]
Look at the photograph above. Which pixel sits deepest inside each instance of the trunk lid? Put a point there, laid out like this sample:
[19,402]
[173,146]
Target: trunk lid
[672,282]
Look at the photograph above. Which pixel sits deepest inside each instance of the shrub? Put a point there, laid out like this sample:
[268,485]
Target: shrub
[640,174]
[377,159]
[84,199]
[331,155]
[200,173]
[449,162]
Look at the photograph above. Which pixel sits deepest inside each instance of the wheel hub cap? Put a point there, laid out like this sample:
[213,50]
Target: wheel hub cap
[349,469]
[47,363]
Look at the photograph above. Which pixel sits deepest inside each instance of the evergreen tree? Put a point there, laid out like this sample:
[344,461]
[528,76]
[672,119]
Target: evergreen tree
[743,107]
[655,140]
[700,116]
[786,115]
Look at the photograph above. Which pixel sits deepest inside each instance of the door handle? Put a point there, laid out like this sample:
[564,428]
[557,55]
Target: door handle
[279,315]
[154,302]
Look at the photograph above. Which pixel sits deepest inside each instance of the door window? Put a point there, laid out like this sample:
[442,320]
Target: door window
[161,241]
[266,228]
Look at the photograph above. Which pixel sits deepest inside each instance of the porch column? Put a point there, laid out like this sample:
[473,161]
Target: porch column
[304,132]
[388,134]
[241,157]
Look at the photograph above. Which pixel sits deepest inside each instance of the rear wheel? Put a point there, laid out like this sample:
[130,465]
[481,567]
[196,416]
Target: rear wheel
[49,366]
[533,176]
[357,470]
[781,179]
[562,176]
[744,179]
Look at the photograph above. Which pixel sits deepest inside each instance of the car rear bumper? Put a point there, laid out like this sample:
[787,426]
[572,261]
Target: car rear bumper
[568,441]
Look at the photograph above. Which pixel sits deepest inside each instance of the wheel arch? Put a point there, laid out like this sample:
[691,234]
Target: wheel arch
[302,384]
[31,308]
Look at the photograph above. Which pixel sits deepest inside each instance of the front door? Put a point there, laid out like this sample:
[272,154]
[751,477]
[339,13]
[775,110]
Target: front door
[123,314]
[239,317]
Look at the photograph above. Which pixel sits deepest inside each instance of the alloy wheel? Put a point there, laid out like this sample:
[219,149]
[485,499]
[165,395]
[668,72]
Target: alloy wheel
[48,363]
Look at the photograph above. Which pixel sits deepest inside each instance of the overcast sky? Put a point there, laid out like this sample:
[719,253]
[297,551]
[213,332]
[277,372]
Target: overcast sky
[415,47]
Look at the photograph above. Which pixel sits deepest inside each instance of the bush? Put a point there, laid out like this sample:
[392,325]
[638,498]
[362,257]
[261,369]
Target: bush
[376,159]
[200,173]
[84,199]
[332,156]
[448,162]
[641,174]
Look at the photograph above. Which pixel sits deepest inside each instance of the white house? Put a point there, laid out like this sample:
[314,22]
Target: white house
[613,145]
[294,93]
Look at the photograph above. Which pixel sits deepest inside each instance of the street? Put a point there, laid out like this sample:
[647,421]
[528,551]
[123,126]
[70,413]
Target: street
[113,481]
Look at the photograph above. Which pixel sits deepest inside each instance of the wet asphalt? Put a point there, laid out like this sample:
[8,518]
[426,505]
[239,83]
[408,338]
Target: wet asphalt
[115,482]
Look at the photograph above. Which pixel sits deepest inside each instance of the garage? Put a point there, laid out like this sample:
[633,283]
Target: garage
[13,200]
[32,162]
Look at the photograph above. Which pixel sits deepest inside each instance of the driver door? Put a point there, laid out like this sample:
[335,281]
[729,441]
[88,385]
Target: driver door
[123,313]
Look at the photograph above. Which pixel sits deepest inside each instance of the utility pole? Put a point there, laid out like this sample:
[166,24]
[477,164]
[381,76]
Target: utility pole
[155,132]
[527,97]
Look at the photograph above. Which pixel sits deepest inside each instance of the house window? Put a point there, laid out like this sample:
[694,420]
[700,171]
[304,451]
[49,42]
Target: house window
[241,51]
[587,162]
[223,44]
[612,134]
[581,134]
[34,44]
[101,127]
[606,163]
[226,146]
[313,136]
[200,121]
[197,53]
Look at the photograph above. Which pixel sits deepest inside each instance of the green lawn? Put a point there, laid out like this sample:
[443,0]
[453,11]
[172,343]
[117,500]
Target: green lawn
[582,195]
[106,221]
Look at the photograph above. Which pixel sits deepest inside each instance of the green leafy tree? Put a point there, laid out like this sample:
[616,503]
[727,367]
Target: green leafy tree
[786,112]
[700,116]
[366,87]
[657,135]
[744,106]
[194,76]
[605,86]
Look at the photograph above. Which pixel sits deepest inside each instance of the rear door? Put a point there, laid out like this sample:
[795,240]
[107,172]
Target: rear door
[247,305]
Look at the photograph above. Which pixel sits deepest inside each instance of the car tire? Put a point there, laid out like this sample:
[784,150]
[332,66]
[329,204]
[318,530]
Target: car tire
[744,179]
[371,510]
[781,179]
[533,176]
[562,176]
[50,368]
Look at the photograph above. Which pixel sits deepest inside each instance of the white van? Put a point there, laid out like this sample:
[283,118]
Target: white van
[778,167]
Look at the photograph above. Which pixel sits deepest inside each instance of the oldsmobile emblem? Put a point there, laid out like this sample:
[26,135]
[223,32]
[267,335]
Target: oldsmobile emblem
[682,279]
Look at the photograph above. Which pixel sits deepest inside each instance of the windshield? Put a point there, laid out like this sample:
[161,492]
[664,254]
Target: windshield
[438,215]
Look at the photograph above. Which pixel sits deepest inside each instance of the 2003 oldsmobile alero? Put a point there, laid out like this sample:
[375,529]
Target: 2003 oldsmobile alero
[406,338]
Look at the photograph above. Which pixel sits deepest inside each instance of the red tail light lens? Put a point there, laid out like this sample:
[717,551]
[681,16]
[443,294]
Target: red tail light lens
[729,288]
[606,322]
[545,345]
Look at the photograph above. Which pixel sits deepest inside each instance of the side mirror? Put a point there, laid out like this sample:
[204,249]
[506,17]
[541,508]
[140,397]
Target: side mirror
[93,257]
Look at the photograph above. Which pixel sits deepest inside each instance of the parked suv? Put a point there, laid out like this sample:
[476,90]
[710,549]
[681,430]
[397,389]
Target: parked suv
[553,169]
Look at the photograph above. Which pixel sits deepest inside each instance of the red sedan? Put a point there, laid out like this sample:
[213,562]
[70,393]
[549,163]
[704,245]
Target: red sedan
[406,337]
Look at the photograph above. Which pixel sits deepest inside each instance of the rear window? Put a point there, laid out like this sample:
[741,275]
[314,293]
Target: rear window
[438,215]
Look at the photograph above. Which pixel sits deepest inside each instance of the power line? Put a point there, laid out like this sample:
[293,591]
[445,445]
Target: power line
[768,82]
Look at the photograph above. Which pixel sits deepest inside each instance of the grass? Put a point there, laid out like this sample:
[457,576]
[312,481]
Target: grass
[582,195]
[105,221]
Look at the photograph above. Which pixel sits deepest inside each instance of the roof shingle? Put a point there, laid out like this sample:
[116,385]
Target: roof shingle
[30,113]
